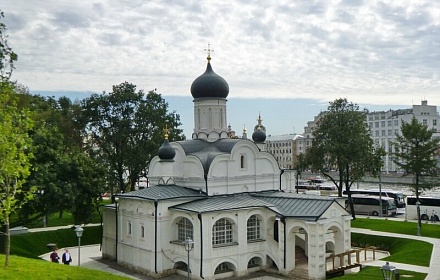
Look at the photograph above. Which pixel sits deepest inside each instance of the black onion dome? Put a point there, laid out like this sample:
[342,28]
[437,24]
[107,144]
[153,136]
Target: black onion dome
[259,135]
[209,85]
[166,152]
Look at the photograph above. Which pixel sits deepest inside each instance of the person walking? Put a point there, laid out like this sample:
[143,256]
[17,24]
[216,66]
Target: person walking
[433,217]
[67,259]
[54,256]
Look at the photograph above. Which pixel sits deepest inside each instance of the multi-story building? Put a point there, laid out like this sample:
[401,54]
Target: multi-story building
[284,148]
[287,147]
[385,127]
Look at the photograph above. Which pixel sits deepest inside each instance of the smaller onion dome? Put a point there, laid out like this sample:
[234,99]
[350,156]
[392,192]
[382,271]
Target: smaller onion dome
[166,152]
[259,134]
[209,84]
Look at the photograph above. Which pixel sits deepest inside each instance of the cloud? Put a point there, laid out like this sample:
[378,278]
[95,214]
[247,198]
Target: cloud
[368,51]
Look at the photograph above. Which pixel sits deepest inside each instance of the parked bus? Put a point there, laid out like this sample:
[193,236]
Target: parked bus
[370,205]
[428,206]
[399,198]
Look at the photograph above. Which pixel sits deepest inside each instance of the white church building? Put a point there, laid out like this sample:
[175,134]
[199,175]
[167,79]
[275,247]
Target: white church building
[230,198]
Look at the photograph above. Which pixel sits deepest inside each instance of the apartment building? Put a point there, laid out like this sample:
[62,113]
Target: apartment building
[385,127]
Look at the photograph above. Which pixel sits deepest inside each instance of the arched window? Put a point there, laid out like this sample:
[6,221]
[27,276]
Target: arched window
[222,232]
[184,229]
[253,228]
[242,162]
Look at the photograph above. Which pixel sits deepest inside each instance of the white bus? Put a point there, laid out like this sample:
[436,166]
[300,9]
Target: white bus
[370,205]
[428,206]
[399,198]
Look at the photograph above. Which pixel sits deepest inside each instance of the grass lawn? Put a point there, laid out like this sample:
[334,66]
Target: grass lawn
[54,220]
[390,225]
[24,268]
[33,244]
[402,250]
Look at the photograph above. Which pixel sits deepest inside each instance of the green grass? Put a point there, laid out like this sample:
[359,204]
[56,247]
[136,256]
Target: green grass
[23,268]
[54,220]
[33,244]
[369,273]
[401,250]
[410,228]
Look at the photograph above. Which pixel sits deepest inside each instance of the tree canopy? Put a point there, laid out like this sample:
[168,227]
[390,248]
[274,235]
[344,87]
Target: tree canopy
[61,166]
[414,154]
[7,56]
[15,143]
[342,142]
[15,154]
[125,128]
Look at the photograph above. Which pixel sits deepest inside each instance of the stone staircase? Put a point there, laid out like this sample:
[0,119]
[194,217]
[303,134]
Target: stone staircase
[301,271]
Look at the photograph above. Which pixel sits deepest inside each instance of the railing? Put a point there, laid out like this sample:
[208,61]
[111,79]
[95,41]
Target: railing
[348,260]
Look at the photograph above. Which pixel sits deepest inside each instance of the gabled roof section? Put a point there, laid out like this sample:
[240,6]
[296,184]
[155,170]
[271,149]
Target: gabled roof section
[290,205]
[297,206]
[163,192]
[222,203]
[207,151]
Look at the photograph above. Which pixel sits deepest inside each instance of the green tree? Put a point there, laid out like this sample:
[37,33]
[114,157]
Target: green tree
[125,130]
[15,152]
[15,143]
[86,180]
[414,154]
[341,141]
[7,56]
[60,165]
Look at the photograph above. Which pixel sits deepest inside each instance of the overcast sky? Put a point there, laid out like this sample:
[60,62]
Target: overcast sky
[371,52]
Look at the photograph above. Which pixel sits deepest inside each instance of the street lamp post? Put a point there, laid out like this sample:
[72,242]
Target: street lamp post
[297,181]
[380,195]
[79,231]
[189,245]
[388,271]
[418,217]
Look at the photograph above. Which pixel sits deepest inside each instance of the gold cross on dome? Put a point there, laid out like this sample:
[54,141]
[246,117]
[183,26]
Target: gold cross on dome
[166,131]
[208,51]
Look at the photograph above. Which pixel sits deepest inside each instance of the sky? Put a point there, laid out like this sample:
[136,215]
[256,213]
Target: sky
[283,59]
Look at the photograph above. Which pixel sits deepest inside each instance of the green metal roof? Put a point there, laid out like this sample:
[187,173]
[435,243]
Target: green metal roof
[286,204]
[298,206]
[162,192]
[290,205]
[222,203]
